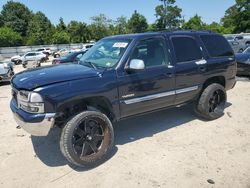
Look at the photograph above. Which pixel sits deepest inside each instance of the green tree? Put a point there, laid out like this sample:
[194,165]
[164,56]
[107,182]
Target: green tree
[1,20]
[100,26]
[39,30]
[137,23]
[78,32]
[194,23]
[218,28]
[168,15]
[61,37]
[237,17]
[16,16]
[8,37]
[121,25]
[61,26]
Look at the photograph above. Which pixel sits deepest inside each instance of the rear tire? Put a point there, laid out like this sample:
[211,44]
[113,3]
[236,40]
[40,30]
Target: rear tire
[87,138]
[211,103]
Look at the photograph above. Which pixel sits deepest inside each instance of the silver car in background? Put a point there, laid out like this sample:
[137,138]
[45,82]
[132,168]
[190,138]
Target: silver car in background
[6,71]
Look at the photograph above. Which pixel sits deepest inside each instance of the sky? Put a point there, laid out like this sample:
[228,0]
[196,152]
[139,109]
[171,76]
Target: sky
[83,10]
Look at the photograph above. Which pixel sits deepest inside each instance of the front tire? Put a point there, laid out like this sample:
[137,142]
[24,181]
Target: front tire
[211,103]
[87,138]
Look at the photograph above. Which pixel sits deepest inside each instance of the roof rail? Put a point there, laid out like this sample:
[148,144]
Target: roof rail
[184,30]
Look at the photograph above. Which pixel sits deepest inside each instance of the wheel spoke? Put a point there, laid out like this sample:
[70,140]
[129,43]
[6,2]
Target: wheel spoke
[218,99]
[78,142]
[80,132]
[98,137]
[84,149]
[94,130]
[86,126]
[93,146]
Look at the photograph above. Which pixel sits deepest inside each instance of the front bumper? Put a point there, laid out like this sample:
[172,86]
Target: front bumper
[35,124]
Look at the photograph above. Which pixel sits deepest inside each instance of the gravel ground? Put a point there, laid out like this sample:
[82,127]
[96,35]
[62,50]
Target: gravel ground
[171,148]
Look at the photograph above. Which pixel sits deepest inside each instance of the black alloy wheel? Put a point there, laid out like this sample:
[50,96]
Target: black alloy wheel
[212,102]
[217,101]
[87,138]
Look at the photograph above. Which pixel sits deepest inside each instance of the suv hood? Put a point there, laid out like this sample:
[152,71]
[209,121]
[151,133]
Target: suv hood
[38,77]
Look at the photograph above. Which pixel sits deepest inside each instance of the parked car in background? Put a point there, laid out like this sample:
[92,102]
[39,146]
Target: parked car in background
[243,63]
[46,51]
[1,58]
[6,71]
[73,57]
[85,47]
[238,43]
[244,39]
[39,57]
[30,56]
[61,53]
[16,59]
[75,50]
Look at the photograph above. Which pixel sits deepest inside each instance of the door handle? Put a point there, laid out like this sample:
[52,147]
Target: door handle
[169,75]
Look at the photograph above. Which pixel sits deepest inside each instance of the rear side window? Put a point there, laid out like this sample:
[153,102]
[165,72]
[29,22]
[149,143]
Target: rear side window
[186,49]
[217,46]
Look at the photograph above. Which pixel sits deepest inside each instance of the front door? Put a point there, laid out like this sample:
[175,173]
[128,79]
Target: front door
[152,88]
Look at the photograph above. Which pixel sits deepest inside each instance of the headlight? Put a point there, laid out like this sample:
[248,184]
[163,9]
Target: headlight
[30,102]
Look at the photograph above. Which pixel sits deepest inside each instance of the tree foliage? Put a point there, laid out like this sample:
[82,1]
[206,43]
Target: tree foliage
[121,25]
[20,26]
[137,23]
[61,26]
[8,37]
[16,16]
[195,23]
[237,17]
[39,29]
[100,26]
[168,15]
[78,32]
[61,37]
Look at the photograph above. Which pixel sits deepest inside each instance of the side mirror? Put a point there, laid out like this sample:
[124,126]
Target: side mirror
[136,65]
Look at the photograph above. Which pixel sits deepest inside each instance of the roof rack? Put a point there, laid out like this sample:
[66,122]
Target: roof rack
[183,30]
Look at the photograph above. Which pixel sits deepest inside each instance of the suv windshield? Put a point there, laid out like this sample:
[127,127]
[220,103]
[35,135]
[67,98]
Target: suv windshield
[106,53]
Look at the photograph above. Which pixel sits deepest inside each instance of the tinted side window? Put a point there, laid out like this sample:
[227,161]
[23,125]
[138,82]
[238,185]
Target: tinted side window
[152,52]
[186,49]
[217,46]
[30,54]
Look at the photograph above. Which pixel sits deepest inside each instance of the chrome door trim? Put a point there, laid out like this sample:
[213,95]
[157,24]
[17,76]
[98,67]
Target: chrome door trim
[160,95]
[185,90]
[149,97]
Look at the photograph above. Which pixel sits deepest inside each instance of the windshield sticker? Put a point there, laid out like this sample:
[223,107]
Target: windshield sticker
[120,45]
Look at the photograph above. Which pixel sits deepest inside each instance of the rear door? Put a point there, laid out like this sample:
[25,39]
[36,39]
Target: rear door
[221,59]
[190,66]
[152,88]
[30,56]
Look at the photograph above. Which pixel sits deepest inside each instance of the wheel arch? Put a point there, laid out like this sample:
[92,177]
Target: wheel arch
[72,107]
[215,79]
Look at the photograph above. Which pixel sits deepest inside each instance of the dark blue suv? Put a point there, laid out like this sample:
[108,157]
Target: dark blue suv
[122,76]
